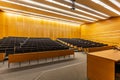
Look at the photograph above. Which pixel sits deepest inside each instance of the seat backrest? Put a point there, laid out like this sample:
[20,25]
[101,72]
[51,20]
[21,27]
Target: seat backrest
[2,56]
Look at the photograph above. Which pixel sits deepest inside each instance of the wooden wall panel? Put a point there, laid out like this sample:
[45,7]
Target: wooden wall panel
[103,31]
[1,24]
[25,26]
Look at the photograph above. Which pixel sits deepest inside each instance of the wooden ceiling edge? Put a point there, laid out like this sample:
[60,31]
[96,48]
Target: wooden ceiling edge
[4,4]
[114,17]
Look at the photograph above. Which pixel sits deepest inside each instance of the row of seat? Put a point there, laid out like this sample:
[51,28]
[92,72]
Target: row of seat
[82,42]
[40,44]
[13,45]
[9,43]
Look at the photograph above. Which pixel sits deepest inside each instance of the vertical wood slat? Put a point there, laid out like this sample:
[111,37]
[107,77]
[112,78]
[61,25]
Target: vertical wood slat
[18,25]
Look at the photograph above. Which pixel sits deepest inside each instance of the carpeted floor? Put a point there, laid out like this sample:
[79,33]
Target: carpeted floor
[62,69]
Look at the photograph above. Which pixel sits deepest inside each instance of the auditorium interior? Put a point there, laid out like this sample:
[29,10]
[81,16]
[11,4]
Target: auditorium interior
[59,39]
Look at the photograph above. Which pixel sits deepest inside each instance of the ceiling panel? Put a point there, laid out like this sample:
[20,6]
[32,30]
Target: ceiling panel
[86,11]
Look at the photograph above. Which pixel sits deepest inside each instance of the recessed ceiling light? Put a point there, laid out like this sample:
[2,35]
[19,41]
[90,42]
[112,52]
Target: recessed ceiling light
[115,2]
[11,13]
[6,9]
[46,10]
[106,6]
[61,4]
[86,7]
[58,9]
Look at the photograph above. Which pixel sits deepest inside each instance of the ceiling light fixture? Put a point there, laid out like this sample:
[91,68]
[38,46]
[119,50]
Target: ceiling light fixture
[86,7]
[115,2]
[46,10]
[58,9]
[58,3]
[41,18]
[106,6]
[6,9]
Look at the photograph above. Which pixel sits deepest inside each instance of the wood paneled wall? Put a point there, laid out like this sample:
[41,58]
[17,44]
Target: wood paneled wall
[19,25]
[107,31]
